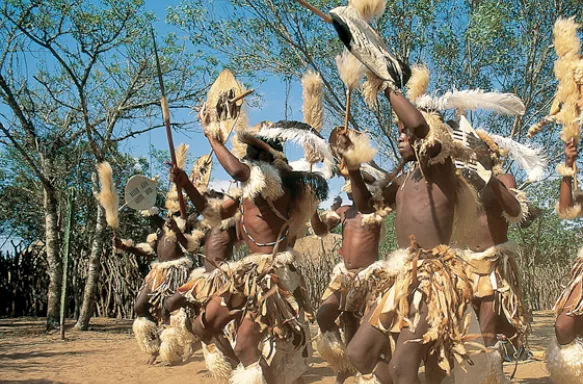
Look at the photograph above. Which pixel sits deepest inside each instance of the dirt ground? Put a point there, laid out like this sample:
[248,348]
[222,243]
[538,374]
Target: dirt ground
[109,354]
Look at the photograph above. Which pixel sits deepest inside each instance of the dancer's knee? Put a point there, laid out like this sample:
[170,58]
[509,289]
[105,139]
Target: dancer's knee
[360,358]
[201,331]
[174,302]
[142,308]
[326,318]
[402,370]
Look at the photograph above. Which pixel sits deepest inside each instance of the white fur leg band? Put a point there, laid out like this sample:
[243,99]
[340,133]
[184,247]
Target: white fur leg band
[170,347]
[333,351]
[252,374]
[146,334]
[565,362]
[216,362]
[565,171]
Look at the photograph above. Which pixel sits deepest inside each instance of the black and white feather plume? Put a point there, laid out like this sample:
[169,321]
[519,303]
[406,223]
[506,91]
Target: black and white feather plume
[303,135]
[504,103]
[368,46]
[530,158]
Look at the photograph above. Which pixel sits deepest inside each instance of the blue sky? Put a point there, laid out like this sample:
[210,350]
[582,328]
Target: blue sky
[272,108]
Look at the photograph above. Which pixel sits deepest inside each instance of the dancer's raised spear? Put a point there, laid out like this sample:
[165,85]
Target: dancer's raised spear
[166,116]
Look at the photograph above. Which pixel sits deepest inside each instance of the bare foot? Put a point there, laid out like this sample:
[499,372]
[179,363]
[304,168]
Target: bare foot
[153,359]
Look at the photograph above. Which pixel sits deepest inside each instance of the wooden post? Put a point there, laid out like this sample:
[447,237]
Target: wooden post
[66,242]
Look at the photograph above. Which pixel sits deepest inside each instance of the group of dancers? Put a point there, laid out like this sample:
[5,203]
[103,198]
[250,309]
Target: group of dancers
[382,315]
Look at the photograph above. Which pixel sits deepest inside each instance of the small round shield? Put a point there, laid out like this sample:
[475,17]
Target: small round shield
[140,193]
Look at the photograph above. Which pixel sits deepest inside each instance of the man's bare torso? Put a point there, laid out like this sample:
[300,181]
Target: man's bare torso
[263,224]
[360,244]
[425,207]
[218,246]
[492,227]
[168,250]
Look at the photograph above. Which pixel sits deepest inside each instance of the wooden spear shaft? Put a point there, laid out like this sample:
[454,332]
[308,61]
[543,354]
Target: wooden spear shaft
[315,11]
[166,116]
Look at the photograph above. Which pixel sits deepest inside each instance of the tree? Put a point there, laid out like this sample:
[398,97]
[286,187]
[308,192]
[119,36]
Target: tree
[77,75]
[490,44]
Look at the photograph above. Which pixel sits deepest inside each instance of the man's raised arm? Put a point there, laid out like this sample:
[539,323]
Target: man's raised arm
[408,114]
[238,171]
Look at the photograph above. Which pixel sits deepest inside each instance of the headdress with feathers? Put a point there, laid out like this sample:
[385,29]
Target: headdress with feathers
[108,195]
[528,157]
[302,134]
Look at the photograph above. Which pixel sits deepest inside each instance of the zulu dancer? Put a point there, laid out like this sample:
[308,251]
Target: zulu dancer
[220,216]
[565,354]
[276,202]
[349,289]
[170,244]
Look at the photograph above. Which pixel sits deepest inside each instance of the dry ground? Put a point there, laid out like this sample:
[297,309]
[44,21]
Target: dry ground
[108,354]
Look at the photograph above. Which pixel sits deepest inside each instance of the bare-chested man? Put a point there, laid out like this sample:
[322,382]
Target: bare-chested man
[219,239]
[348,292]
[424,201]
[262,291]
[489,256]
[565,354]
[168,244]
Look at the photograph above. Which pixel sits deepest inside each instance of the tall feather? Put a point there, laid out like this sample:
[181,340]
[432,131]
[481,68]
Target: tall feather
[505,103]
[369,9]
[108,195]
[350,69]
[313,108]
[531,159]
[418,82]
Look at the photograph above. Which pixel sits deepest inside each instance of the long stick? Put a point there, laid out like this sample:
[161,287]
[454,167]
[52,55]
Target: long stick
[347,116]
[575,182]
[166,116]
[316,11]
[66,242]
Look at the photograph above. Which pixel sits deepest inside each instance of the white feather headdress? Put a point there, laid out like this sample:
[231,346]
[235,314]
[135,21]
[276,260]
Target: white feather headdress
[505,103]
[301,134]
[530,158]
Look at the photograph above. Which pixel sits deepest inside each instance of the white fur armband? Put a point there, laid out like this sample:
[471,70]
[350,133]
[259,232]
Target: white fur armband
[193,240]
[565,171]
[326,215]
[569,213]
[438,134]
[126,243]
[150,212]
[146,248]
[214,130]
[359,152]
[212,213]
[523,214]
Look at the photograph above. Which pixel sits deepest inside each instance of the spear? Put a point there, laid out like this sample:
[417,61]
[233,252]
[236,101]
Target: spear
[166,116]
